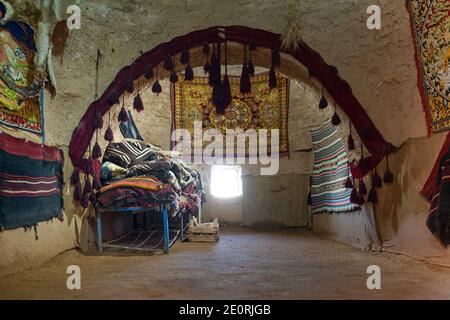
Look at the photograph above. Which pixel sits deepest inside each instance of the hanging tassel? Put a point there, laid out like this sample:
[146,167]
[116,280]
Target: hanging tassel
[98,123]
[168,64]
[362,164]
[377,181]
[245,84]
[362,187]
[156,88]
[96,151]
[309,201]
[97,184]
[123,116]
[113,99]
[138,105]
[173,77]
[276,58]
[206,49]
[349,183]
[214,72]
[251,68]
[77,195]
[335,119]
[148,73]
[373,196]
[226,91]
[75,176]
[273,82]
[93,199]
[354,196]
[89,166]
[184,58]
[323,101]
[188,73]
[109,135]
[207,67]
[85,201]
[129,86]
[87,186]
[360,200]
[388,175]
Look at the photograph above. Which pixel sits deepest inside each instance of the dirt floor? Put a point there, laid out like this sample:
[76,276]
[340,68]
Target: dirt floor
[244,264]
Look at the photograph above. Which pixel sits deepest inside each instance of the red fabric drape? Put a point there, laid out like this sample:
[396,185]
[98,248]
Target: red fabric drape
[327,75]
[427,190]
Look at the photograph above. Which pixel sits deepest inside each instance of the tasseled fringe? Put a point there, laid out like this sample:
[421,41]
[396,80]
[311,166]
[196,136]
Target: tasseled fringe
[98,123]
[188,73]
[376,180]
[93,199]
[129,86]
[138,105]
[90,166]
[349,183]
[148,73]
[96,151]
[75,176]
[251,68]
[87,186]
[351,143]
[388,175]
[113,99]
[123,116]
[85,201]
[335,119]
[273,82]
[168,64]
[77,191]
[354,196]
[373,196]
[245,84]
[362,187]
[207,67]
[156,88]
[109,135]
[226,91]
[184,58]
[323,102]
[218,98]
[173,77]
[214,72]
[276,58]
[360,200]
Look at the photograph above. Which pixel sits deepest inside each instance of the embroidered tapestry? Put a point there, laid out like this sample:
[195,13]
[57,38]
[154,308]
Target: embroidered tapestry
[431,25]
[31,181]
[19,92]
[330,172]
[263,108]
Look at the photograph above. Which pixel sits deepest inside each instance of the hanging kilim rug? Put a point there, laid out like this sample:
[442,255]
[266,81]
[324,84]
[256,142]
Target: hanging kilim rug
[263,108]
[330,172]
[431,25]
[31,181]
[19,92]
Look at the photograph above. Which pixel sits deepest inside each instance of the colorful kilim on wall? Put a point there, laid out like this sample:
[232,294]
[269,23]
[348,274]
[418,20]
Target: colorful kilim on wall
[431,25]
[30,183]
[19,92]
[330,172]
[263,108]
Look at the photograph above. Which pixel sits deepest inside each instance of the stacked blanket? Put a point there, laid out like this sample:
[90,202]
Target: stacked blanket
[136,173]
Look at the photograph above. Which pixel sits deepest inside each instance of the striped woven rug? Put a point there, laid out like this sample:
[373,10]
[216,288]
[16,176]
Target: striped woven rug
[330,171]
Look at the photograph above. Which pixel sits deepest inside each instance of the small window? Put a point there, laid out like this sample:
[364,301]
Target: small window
[226,181]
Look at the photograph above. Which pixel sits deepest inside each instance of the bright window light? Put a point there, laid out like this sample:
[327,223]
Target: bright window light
[226,181]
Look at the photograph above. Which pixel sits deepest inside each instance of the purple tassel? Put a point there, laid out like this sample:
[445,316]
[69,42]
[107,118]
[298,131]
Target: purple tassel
[123,116]
[206,48]
[113,99]
[349,183]
[98,122]
[362,164]
[373,197]
[206,67]
[93,199]
[360,200]
[96,151]
[354,196]
[323,103]
[85,200]
[168,64]
[335,119]
[245,84]
[376,180]
[276,58]
[184,58]
[173,77]
[156,88]
[109,135]
[138,105]
[362,187]
[75,176]
[77,192]
[87,186]
[129,86]
[148,73]
[89,166]
[273,82]
[188,73]
[388,176]
[251,68]
[96,183]
[351,143]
